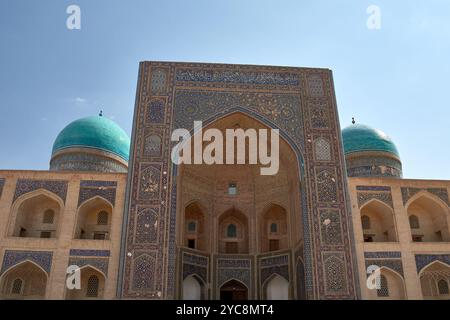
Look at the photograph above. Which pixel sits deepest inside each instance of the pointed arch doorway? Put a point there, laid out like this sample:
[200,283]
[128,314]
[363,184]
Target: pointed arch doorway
[233,290]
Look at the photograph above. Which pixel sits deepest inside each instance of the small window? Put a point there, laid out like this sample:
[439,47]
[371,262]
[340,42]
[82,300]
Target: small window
[49,216]
[414,222]
[231,231]
[17,286]
[102,218]
[191,243]
[232,188]
[23,232]
[384,289]
[417,238]
[274,245]
[368,238]
[82,234]
[273,228]
[192,226]
[99,236]
[92,287]
[365,221]
[231,247]
[443,287]
[46,234]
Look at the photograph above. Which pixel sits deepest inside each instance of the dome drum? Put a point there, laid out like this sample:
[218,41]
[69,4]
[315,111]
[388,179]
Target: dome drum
[370,153]
[85,159]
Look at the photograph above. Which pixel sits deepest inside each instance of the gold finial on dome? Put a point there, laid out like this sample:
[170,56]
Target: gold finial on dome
[101,113]
[353,120]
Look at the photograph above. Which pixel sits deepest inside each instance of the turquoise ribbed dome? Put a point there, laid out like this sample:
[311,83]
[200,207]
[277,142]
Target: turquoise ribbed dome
[359,137]
[95,132]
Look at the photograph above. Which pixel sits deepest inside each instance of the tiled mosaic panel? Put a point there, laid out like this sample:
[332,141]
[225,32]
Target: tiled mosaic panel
[91,189]
[159,80]
[146,225]
[194,264]
[331,229]
[322,149]
[422,260]
[229,268]
[394,264]
[57,187]
[408,193]
[144,272]
[15,257]
[382,254]
[89,253]
[98,263]
[335,273]
[274,265]
[385,197]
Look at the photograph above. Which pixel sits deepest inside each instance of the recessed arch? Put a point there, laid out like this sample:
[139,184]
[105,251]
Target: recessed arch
[233,289]
[276,287]
[33,281]
[28,212]
[193,288]
[234,220]
[194,183]
[195,226]
[378,222]
[87,219]
[431,277]
[92,284]
[274,229]
[392,286]
[432,215]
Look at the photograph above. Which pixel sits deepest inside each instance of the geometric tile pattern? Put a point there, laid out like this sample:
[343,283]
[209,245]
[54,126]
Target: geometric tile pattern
[98,263]
[90,189]
[89,253]
[394,264]
[58,187]
[441,193]
[422,260]
[364,197]
[14,257]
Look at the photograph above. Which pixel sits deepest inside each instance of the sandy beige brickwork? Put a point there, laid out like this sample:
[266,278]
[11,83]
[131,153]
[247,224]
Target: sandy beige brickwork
[25,193]
[387,236]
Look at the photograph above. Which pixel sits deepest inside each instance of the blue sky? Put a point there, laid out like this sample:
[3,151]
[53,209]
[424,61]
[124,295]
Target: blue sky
[394,79]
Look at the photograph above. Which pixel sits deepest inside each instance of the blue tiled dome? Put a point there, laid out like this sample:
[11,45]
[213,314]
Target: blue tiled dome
[95,132]
[359,137]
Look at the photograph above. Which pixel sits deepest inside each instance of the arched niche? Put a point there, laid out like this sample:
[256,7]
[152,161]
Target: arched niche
[273,229]
[26,280]
[195,230]
[94,220]
[193,288]
[233,290]
[92,285]
[36,215]
[392,286]
[377,222]
[430,219]
[233,232]
[435,281]
[277,288]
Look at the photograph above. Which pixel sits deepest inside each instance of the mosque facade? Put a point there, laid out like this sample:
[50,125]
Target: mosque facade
[337,221]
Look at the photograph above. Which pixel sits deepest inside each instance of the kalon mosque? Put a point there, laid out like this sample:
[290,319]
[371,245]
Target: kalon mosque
[140,227]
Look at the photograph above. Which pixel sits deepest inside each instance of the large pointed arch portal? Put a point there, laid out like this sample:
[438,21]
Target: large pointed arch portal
[300,102]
